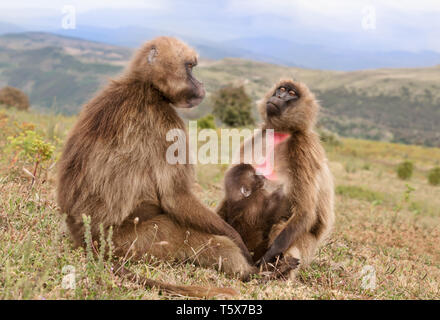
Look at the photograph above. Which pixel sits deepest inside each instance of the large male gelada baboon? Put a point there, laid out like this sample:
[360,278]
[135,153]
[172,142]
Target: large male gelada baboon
[114,168]
[300,168]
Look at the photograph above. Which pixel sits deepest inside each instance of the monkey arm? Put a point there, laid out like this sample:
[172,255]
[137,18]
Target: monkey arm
[222,210]
[185,208]
[293,229]
[301,221]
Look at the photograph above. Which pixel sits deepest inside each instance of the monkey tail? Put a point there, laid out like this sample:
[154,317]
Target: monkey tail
[190,291]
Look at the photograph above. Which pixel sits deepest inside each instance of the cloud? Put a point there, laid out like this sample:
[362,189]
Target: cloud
[400,24]
[84,5]
[409,24]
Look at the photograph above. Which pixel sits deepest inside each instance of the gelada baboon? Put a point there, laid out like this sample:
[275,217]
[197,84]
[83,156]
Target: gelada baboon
[301,169]
[114,168]
[250,209]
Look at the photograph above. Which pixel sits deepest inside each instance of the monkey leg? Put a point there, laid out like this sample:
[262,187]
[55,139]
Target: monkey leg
[76,229]
[163,238]
[303,249]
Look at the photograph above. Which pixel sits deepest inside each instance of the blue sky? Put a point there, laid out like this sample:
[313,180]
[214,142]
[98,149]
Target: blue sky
[399,25]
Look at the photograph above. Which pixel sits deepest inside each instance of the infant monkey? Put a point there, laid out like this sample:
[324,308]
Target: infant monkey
[251,210]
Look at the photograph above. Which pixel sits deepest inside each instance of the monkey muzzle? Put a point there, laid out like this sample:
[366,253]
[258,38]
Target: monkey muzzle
[198,95]
[273,106]
[193,97]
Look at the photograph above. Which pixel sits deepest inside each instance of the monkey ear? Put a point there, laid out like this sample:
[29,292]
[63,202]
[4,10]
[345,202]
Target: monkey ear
[152,55]
[245,192]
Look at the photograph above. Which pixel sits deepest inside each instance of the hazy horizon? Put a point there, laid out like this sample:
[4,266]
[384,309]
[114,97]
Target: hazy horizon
[358,25]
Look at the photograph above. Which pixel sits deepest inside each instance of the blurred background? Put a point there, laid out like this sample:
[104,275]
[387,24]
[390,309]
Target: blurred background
[374,65]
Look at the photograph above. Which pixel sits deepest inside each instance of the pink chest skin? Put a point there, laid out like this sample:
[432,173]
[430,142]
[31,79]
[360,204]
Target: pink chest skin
[266,168]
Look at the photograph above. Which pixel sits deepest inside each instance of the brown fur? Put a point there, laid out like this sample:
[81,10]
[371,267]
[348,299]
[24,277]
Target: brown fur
[253,215]
[302,168]
[113,166]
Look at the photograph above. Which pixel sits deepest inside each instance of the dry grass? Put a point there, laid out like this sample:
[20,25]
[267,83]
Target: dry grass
[378,224]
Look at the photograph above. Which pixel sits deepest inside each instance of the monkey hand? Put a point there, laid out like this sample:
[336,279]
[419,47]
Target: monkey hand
[271,255]
[279,269]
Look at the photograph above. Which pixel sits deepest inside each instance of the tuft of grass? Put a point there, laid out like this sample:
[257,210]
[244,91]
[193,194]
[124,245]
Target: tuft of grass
[434,176]
[360,193]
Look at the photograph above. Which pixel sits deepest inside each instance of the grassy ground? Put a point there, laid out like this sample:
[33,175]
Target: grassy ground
[385,226]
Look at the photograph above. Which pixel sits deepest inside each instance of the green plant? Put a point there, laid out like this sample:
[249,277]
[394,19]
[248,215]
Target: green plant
[206,122]
[350,167]
[407,193]
[233,106]
[434,176]
[405,170]
[31,148]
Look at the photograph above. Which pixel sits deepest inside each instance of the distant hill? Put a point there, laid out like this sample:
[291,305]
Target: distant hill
[57,72]
[133,37]
[323,57]
[401,105]
[294,52]
[9,28]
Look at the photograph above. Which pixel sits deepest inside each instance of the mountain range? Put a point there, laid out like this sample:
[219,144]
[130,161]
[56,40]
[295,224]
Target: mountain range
[60,73]
[321,49]
[268,49]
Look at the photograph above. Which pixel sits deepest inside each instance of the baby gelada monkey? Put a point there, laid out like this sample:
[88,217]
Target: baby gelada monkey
[250,209]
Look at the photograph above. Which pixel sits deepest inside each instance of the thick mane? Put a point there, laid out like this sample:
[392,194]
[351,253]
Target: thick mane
[114,169]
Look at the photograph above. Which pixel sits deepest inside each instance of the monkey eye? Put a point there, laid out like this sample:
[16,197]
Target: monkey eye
[282,89]
[292,93]
[245,192]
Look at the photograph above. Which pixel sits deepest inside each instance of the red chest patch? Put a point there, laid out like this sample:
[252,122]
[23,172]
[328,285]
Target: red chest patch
[267,167]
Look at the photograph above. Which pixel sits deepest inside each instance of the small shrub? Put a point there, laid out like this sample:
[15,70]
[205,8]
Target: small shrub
[434,176]
[206,122]
[233,106]
[13,97]
[405,170]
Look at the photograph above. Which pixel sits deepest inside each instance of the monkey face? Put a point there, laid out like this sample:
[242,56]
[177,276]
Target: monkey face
[167,63]
[281,99]
[241,182]
[289,106]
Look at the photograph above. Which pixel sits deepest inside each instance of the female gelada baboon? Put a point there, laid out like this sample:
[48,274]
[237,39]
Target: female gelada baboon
[114,168]
[301,169]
